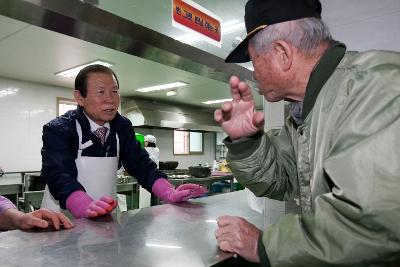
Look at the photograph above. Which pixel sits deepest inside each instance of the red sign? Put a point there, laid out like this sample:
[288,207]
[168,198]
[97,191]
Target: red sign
[196,18]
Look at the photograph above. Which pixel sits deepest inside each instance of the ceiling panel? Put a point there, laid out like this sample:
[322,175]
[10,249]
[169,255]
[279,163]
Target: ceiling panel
[156,15]
[9,26]
[35,54]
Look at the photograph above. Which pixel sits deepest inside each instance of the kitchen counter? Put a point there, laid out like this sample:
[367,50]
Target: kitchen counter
[207,181]
[15,182]
[11,184]
[167,235]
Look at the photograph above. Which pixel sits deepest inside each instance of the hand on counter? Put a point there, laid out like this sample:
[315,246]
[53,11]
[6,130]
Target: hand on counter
[81,205]
[164,190]
[237,235]
[102,206]
[42,218]
[195,189]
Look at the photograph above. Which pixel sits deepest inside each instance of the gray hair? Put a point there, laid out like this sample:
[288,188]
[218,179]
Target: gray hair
[305,34]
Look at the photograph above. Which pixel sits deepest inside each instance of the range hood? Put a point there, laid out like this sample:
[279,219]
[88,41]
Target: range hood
[162,115]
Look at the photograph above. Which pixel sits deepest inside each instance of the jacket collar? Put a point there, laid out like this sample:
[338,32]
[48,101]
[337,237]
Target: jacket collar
[87,134]
[321,73]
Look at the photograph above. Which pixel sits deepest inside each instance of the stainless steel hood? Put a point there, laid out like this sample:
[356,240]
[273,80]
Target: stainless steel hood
[151,113]
[89,23]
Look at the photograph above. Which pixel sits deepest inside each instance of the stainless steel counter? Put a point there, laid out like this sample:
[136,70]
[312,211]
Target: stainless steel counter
[167,235]
[12,184]
[207,181]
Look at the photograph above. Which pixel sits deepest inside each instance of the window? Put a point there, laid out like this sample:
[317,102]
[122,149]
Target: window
[187,142]
[64,104]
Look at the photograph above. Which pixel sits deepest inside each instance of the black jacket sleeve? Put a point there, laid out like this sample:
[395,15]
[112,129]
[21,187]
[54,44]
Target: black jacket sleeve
[135,159]
[58,160]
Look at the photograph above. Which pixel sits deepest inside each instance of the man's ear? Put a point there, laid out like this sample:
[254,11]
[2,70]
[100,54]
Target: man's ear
[284,54]
[78,98]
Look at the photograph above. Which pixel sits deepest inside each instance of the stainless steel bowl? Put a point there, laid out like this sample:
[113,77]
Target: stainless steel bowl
[123,180]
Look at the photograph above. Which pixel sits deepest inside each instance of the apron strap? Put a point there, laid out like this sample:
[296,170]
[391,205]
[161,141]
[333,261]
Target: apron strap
[116,137]
[79,131]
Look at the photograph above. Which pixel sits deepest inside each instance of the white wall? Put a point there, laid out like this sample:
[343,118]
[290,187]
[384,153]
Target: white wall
[364,24]
[22,116]
[165,144]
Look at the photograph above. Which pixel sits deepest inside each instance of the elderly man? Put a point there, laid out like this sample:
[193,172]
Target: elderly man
[337,155]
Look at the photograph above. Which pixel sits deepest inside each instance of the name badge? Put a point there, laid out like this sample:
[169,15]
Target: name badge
[86,145]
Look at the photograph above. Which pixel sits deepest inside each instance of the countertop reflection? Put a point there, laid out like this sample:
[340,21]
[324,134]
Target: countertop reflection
[166,235]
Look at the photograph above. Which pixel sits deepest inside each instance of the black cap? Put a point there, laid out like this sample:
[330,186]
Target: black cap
[261,13]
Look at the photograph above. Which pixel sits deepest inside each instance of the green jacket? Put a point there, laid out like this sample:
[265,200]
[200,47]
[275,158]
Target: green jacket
[342,165]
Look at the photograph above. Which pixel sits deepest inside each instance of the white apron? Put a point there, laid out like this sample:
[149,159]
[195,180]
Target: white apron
[144,195]
[96,174]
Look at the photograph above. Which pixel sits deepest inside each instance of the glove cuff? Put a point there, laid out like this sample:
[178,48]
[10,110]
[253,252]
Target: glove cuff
[162,188]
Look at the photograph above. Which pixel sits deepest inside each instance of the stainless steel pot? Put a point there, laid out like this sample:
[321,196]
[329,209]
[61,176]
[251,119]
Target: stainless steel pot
[168,165]
[199,171]
[123,180]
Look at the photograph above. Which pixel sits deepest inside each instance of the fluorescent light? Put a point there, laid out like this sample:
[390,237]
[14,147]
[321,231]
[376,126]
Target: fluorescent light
[211,221]
[161,87]
[70,73]
[226,28]
[172,93]
[217,101]
[161,246]
[8,91]
[188,38]
[36,111]
[233,28]
[230,23]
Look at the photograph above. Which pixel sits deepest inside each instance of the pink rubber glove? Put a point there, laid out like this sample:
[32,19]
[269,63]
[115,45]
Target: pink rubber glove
[195,189]
[81,205]
[165,191]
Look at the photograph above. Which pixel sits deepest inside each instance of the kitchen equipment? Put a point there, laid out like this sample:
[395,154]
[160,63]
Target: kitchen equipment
[199,171]
[179,176]
[224,166]
[123,179]
[168,165]
[34,182]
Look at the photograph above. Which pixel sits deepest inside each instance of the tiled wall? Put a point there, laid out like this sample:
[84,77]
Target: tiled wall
[165,144]
[25,107]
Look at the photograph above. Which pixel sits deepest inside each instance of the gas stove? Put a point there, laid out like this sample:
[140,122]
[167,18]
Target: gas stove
[179,176]
[177,173]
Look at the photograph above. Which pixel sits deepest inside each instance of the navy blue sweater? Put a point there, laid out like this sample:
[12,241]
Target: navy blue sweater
[60,149]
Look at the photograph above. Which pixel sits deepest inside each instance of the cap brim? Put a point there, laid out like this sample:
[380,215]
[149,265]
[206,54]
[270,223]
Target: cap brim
[240,54]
